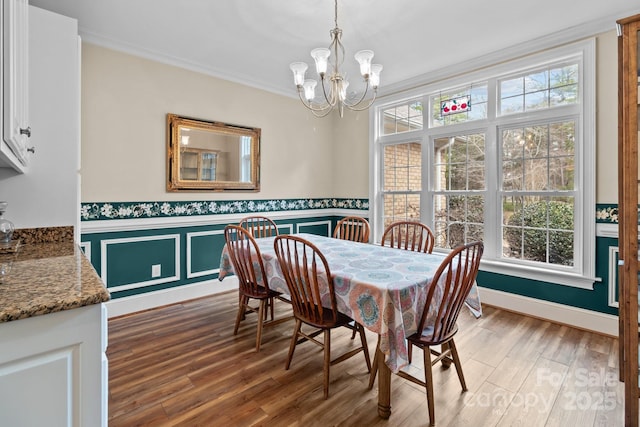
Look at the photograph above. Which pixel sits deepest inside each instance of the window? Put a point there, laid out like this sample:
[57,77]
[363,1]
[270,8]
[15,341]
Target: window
[245,158]
[511,170]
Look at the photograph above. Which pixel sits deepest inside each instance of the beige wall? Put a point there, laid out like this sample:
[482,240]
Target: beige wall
[607,118]
[351,155]
[125,100]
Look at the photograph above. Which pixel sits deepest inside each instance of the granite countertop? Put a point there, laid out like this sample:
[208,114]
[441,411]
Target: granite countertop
[48,277]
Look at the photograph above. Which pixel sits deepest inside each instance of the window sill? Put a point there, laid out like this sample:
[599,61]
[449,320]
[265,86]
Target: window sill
[549,276]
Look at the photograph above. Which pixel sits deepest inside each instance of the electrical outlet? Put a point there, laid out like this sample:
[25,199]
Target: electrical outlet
[156,270]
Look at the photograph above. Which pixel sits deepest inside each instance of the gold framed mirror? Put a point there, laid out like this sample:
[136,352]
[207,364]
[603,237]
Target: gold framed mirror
[211,156]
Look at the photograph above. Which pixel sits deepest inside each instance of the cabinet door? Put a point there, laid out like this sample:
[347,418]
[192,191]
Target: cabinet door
[15,77]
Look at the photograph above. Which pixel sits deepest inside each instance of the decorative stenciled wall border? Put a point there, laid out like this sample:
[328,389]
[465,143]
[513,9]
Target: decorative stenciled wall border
[606,214]
[100,211]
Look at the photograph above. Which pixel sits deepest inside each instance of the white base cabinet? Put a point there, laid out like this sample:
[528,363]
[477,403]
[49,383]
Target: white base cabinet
[53,369]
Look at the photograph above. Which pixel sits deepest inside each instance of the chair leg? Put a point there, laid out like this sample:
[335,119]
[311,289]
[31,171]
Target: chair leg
[240,316]
[428,379]
[374,370]
[456,361]
[241,303]
[446,362]
[327,361]
[261,313]
[271,301]
[409,351]
[365,348]
[292,346]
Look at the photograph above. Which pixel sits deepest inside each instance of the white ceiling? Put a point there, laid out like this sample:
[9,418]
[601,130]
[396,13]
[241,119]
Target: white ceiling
[254,41]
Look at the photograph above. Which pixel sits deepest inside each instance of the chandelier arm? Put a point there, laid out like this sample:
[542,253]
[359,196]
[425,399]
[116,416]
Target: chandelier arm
[351,105]
[323,110]
[369,104]
[331,102]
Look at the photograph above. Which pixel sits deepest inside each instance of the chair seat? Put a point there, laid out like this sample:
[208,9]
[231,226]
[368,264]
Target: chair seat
[426,337]
[327,318]
[261,293]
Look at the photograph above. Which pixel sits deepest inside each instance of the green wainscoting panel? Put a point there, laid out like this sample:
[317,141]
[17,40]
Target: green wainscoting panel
[131,260]
[607,266]
[187,255]
[203,252]
[323,228]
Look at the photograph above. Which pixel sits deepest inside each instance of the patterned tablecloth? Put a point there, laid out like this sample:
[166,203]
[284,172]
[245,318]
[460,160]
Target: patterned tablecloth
[383,289]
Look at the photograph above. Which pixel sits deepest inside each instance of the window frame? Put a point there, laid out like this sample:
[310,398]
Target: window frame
[582,274]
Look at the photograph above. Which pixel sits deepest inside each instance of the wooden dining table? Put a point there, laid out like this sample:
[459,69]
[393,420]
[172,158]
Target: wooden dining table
[384,289]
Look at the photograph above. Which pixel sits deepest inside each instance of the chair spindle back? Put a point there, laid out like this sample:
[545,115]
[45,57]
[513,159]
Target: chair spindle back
[247,261]
[309,280]
[259,226]
[352,228]
[457,272]
[409,235]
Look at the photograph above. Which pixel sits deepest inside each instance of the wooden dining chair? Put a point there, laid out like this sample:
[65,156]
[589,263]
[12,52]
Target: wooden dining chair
[249,268]
[408,235]
[259,226]
[448,291]
[313,298]
[352,228]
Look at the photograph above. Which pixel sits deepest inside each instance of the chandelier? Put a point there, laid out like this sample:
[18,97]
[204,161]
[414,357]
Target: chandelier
[334,83]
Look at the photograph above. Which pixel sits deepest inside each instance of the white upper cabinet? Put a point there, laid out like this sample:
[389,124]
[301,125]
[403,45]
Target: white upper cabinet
[15,84]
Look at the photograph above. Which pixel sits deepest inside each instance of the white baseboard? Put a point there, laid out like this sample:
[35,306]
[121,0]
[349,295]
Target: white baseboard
[126,305]
[573,316]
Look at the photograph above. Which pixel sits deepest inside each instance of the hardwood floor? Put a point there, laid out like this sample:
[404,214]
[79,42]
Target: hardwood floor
[181,365]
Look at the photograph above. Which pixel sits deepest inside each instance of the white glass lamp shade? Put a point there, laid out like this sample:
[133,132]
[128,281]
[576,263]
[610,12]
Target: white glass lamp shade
[298,68]
[364,58]
[309,89]
[374,77]
[321,57]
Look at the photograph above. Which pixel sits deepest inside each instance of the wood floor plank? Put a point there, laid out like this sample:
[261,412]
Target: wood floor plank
[181,365]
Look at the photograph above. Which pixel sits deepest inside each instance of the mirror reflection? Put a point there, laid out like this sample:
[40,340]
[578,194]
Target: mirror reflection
[207,155]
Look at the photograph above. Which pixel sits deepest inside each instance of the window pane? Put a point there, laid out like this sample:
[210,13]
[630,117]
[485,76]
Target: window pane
[478,105]
[459,162]
[459,219]
[535,175]
[400,207]
[561,173]
[514,104]
[543,88]
[536,100]
[402,118]
[536,81]
[563,95]
[512,87]
[539,229]
[402,167]
[548,152]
